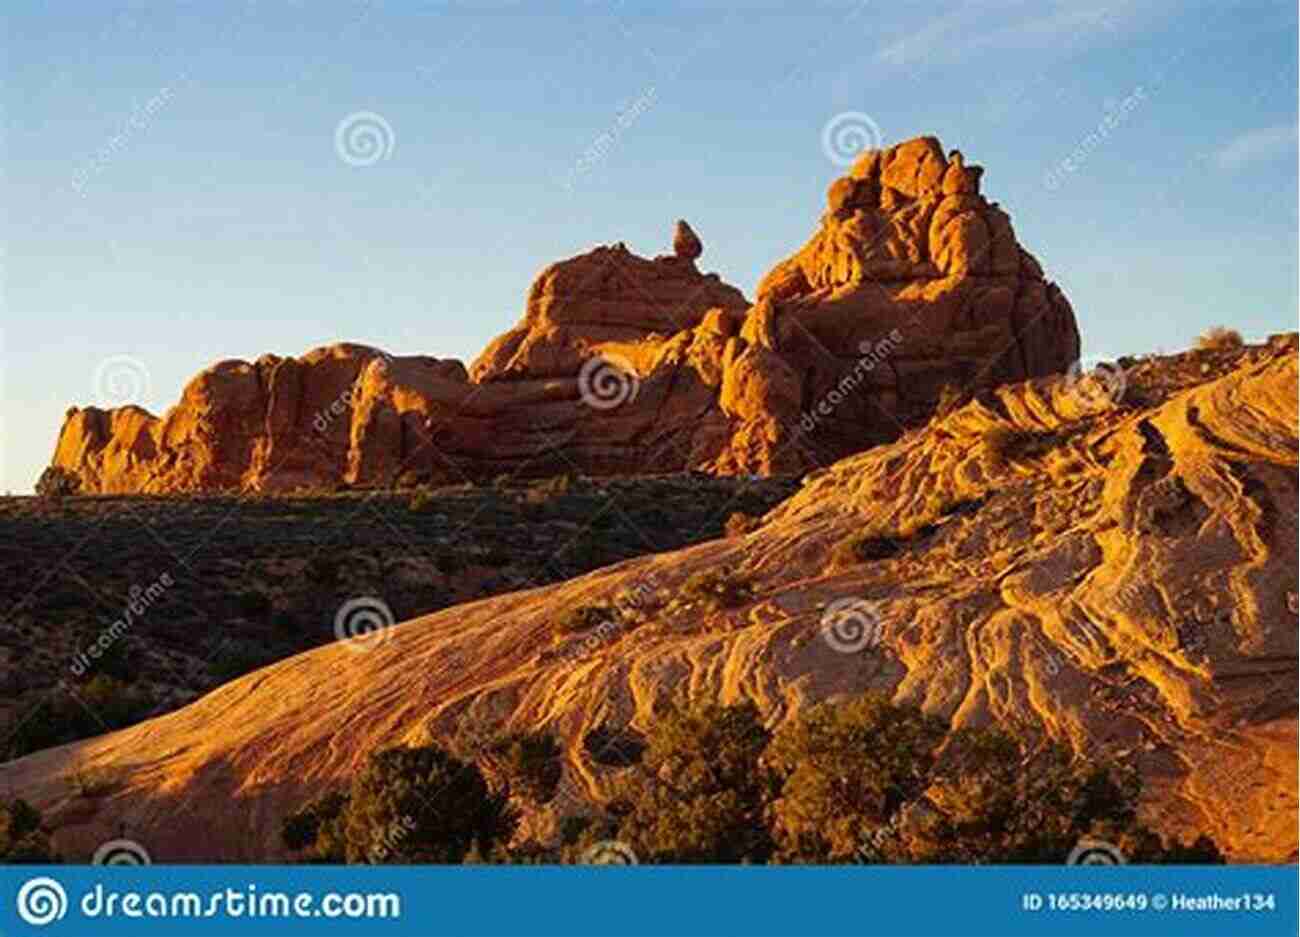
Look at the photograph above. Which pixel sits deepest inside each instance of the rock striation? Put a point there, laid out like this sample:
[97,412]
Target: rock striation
[912,283]
[1110,566]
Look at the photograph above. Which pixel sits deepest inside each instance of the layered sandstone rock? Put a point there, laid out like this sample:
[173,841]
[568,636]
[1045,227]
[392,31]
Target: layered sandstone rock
[623,364]
[1111,567]
[909,247]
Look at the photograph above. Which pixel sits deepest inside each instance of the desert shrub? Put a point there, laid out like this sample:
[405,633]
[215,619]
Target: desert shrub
[253,604]
[840,771]
[104,704]
[531,762]
[57,482]
[323,569]
[112,657]
[317,828]
[1003,444]
[233,659]
[863,548]
[441,806]
[740,523]
[585,617]
[91,782]
[868,780]
[23,840]
[697,795]
[716,589]
[1219,338]
[544,490]
[408,479]
[407,805]
[614,746]
[995,804]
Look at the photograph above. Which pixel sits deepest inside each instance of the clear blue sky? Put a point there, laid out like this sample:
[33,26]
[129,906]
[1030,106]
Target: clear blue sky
[175,195]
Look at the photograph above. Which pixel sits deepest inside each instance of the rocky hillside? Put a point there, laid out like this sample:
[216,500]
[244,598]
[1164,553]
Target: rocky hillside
[1107,560]
[626,365]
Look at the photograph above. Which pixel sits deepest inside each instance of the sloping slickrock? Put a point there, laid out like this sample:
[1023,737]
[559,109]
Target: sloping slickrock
[1115,572]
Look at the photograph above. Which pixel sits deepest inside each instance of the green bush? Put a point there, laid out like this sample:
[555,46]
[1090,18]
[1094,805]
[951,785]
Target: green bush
[23,840]
[717,590]
[740,523]
[697,794]
[532,762]
[864,548]
[407,805]
[233,659]
[318,828]
[104,704]
[421,500]
[871,780]
[585,617]
[840,771]
[1219,338]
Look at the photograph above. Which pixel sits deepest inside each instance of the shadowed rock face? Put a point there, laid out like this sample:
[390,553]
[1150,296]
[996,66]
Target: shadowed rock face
[1111,567]
[623,364]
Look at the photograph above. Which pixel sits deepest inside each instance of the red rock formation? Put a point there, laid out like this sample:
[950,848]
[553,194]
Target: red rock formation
[1124,586]
[627,365]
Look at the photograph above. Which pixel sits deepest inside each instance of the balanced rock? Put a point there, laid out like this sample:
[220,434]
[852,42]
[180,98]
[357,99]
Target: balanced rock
[686,243]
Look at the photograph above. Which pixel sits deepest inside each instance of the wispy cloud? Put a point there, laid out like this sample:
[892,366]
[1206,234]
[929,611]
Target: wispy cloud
[986,27]
[1254,146]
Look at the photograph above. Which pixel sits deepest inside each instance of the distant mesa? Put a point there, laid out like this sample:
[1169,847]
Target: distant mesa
[911,282]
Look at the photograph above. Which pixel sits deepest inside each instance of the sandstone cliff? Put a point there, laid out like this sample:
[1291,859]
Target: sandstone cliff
[623,364]
[1108,561]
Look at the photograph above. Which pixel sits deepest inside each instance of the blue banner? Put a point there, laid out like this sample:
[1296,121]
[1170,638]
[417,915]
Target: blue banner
[606,900]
